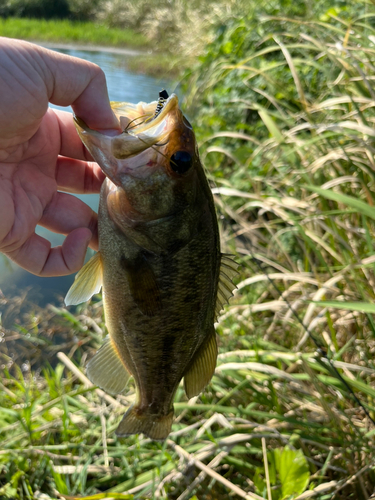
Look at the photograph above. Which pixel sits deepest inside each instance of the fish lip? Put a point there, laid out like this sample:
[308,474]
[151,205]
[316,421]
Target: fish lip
[139,150]
[169,105]
[149,123]
[152,133]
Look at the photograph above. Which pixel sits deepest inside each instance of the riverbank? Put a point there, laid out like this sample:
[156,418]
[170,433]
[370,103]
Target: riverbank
[284,113]
[71,33]
[90,48]
[68,35]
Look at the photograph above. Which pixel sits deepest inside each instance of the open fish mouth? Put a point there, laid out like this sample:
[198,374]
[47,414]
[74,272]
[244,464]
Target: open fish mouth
[146,126]
[148,130]
[152,123]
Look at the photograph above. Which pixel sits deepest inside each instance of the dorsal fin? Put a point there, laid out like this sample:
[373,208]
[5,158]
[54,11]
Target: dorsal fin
[228,270]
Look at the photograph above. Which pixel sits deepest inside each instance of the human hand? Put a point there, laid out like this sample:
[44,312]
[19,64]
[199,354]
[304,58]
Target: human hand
[40,152]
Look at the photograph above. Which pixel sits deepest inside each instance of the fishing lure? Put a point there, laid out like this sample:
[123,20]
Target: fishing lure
[163,96]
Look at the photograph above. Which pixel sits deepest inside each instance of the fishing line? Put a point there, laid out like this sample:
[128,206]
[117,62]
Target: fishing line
[144,117]
[154,146]
[321,351]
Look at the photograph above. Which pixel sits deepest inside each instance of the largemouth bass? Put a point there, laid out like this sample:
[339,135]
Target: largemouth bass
[164,278]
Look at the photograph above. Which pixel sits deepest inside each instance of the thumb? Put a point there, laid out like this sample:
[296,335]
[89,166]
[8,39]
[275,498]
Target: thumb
[82,85]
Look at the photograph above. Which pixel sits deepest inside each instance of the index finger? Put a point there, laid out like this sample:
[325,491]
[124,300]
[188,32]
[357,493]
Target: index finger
[75,176]
[36,255]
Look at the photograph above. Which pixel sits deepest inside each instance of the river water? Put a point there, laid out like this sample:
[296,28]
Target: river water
[123,85]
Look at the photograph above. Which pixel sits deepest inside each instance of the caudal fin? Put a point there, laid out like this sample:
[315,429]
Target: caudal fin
[154,426]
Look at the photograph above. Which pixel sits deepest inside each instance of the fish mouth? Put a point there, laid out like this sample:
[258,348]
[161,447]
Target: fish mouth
[153,129]
[156,121]
[146,127]
[152,125]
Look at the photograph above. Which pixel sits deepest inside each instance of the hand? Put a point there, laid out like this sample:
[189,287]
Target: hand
[40,152]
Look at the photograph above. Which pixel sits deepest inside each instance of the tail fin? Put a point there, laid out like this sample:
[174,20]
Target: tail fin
[154,426]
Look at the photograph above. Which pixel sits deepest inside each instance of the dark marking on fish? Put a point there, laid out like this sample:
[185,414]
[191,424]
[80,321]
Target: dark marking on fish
[167,346]
[142,283]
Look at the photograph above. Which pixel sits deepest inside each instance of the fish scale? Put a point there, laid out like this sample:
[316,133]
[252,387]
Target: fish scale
[159,263]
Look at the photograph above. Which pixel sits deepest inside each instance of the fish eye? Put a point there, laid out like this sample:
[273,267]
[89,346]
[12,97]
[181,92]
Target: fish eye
[181,161]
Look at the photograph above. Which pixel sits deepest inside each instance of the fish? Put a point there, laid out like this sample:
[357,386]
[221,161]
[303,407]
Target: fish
[159,263]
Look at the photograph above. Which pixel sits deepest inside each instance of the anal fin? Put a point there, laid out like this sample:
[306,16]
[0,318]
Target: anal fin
[87,282]
[107,370]
[202,368]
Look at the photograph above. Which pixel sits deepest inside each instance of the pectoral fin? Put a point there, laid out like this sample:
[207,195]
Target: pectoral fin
[228,270]
[107,370]
[143,285]
[87,282]
[203,367]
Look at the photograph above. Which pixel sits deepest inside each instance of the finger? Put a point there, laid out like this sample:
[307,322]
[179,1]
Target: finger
[65,213]
[78,176]
[31,76]
[37,256]
[81,84]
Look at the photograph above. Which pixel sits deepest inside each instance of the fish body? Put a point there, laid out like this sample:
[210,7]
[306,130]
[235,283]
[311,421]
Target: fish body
[164,278]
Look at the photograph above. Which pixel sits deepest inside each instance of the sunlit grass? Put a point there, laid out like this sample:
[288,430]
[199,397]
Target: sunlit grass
[58,434]
[65,31]
[286,132]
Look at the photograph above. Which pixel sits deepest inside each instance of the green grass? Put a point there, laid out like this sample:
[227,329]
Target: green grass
[169,66]
[58,435]
[70,32]
[284,112]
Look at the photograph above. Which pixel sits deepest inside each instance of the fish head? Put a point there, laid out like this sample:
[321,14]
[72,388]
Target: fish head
[153,165]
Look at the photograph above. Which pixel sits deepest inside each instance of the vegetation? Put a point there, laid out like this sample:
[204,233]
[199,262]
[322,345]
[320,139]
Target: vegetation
[284,110]
[65,31]
[82,10]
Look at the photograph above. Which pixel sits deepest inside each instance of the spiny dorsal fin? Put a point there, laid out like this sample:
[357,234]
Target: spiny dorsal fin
[87,282]
[228,270]
[203,367]
[106,369]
